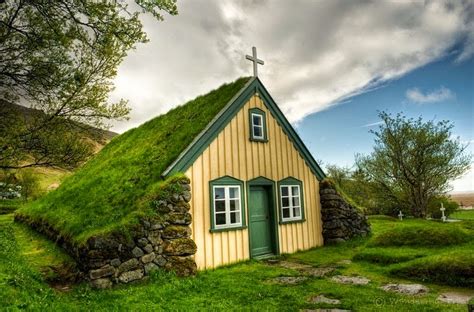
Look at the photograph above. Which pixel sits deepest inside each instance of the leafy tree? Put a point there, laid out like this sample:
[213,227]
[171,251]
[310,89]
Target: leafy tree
[413,161]
[60,57]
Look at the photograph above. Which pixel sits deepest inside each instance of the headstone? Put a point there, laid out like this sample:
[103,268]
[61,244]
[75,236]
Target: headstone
[443,217]
[400,215]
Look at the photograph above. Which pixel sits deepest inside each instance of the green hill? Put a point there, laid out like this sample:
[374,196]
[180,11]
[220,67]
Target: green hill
[47,178]
[110,191]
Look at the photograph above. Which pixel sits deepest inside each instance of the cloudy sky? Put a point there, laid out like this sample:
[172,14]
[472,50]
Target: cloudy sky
[330,65]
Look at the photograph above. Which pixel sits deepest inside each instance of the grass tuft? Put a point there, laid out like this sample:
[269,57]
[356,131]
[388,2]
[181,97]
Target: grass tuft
[388,255]
[455,268]
[427,235]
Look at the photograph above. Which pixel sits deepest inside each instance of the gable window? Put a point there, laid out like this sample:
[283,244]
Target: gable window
[258,125]
[291,200]
[226,204]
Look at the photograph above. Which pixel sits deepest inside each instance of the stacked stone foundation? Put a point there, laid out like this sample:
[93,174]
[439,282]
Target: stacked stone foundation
[341,220]
[162,242]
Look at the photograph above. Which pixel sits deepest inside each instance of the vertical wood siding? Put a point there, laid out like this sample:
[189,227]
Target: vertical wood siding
[233,154]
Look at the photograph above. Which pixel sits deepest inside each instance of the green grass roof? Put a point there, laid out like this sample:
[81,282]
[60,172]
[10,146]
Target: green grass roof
[107,193]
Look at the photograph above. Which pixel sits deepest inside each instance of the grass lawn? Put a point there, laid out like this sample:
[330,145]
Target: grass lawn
[463,215]
[24,255]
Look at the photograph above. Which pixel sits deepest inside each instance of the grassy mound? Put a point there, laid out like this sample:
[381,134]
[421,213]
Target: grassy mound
[426,235]
[108,192]
[455,268]
[388,255]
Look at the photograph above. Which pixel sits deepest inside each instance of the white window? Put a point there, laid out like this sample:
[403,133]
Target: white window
[257,126]
[290,202]
[227,206]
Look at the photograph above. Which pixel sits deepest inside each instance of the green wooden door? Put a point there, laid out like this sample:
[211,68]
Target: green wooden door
[260,229]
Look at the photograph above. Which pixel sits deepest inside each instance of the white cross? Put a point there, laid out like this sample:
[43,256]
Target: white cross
[255,61]
[400,215]
[443,217]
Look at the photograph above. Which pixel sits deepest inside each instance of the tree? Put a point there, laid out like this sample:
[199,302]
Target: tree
[413,161]
[60,57]
[355,185]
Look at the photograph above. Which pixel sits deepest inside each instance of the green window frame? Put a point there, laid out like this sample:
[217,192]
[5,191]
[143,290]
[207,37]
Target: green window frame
[258,125]
[227,204]
[291,200]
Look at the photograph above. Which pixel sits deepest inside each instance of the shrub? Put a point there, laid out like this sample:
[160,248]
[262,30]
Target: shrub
[29,182]
[9,191]
[421,235]
[453,268]
[435,204]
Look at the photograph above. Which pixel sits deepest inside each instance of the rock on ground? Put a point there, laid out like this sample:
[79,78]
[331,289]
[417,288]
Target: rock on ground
[408,289]
[317,272]
[131,276]
[289,280]
[452,297]
[324,299]
[303,268]
[326,310]
[355,280]
[292,265]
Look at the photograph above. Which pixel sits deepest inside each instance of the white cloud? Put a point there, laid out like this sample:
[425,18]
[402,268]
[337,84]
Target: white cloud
[316,53]
[464,183]
[415,95]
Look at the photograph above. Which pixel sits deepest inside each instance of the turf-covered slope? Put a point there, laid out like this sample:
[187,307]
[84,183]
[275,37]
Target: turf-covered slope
[111,190]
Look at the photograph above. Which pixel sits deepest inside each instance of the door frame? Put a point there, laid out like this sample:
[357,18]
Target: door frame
[272,206]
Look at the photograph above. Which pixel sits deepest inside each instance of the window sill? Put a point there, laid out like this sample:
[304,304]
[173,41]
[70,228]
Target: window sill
[233,228]
[259,140]
[292,221]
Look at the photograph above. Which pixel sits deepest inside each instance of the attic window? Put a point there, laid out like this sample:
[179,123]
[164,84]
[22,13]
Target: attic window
[258,125]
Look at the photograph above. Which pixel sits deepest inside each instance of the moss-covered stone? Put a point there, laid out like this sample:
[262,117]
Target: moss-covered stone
[179,218]
[176,231]
[183,266]
[179,247]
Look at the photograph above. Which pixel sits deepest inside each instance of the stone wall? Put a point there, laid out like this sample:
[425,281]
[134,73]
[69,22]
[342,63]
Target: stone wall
[159,242]
[341,220]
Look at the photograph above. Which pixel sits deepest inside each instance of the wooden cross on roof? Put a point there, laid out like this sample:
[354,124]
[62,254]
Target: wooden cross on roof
[255,61]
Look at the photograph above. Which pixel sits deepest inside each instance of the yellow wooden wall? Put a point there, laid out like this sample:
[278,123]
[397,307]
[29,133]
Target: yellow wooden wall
[233,154]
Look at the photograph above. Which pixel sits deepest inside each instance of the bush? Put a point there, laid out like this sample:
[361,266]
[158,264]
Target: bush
[421,235]
[453,268]
[29,182]
[435,204]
